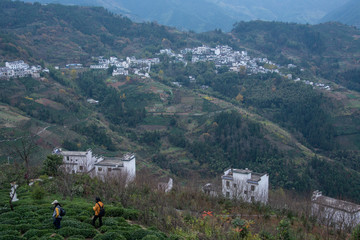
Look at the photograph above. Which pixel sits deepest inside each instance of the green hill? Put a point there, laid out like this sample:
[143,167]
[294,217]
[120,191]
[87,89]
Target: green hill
[264,122]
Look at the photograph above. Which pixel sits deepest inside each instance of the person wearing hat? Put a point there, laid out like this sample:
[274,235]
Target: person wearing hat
[99,210]
[56,215]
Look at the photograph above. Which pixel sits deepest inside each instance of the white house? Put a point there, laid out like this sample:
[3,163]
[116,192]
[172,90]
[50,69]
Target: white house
[112,167]
[86,162]
[334,212]
[78,161]
[17,65]
[245,184]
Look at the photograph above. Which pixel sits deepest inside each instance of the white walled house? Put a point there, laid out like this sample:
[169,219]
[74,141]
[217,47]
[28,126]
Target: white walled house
[245,184]
[78,161]
[333,212]
[117,167]
[98,166]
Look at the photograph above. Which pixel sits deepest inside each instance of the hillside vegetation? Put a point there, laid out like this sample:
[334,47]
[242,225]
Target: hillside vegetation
[264,122]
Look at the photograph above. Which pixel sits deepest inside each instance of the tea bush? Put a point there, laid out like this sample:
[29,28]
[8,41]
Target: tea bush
[110,236]
[51,236]
[114,212]
[10,232]
[71,231]
[36,233]
[75,224]
[11,237]
[151,237]
[76,237]
[110,222]
[131,214]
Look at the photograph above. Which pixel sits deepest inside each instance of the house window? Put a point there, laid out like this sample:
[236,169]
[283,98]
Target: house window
[227,184]
[73,171]
[252,199]
[109,169]
[245,192]
[99,169]
[67,158]
[235,185]
[227,194]
[252,188]
[81,168]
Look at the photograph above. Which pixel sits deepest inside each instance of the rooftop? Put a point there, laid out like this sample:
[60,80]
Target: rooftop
[73,153]
[113,162]
[335,203]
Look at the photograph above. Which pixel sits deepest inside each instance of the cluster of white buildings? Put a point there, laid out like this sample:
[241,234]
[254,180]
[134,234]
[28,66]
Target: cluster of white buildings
[131,65]
[20,69]
[223,55]
[99,166]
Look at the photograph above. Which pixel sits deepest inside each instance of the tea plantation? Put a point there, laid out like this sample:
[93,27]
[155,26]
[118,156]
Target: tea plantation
[32,219]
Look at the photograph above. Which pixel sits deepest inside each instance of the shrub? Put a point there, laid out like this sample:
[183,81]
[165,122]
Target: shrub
[283,230]
[37,192]
[110,222]
[35,233]
[110,236]
[355,235]
[23,227]
[151,237]
[104,229]
[138,234]
[10,237]
[75,224]
[114,212]
[71,231]
[10,232]
[76,237]
[5,227]
[131,214]
[4,210]
[52,236]
[10,215]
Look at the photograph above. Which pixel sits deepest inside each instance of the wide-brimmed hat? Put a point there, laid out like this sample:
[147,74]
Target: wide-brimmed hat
[55,202]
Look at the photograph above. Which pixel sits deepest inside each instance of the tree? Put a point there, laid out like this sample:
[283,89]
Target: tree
[240,98]
[51,164]
[24,151]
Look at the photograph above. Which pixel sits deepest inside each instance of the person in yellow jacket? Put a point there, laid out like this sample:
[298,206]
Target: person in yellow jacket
[56,214]
[98,211]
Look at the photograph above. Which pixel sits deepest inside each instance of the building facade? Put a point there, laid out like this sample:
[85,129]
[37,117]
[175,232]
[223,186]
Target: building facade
[333,212]
[246,185]
[98,166]
[117,167]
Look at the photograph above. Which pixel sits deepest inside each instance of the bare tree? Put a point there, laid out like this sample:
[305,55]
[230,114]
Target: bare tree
[24,150]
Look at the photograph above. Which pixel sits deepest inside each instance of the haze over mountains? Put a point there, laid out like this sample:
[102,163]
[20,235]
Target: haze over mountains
[205,15]
[348,14]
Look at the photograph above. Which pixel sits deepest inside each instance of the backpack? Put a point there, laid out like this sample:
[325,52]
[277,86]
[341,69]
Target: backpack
[62,212]
[102,211]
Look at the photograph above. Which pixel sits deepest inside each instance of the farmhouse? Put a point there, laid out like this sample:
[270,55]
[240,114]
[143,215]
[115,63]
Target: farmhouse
[112,167]
[334,212]
[98,166]
[245,184]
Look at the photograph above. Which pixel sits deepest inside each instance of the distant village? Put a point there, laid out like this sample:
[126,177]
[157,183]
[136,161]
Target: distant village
[221,55]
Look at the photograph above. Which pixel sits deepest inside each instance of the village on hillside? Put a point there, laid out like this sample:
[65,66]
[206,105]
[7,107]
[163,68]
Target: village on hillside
[221,56]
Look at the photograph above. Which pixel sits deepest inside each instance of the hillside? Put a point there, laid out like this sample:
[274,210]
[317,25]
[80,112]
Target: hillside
[28,32]
[264,121]
[347,14]
[140,212]
[207,15]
